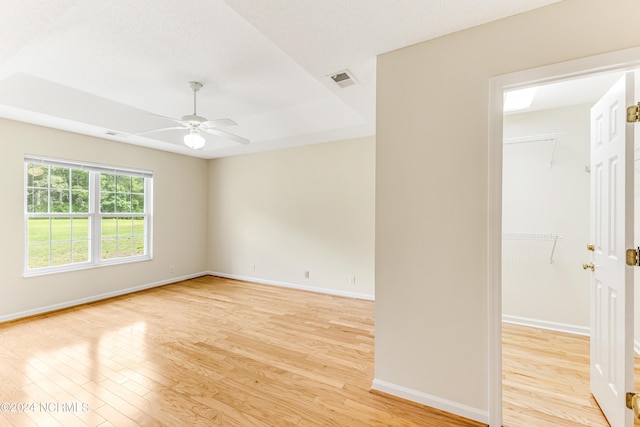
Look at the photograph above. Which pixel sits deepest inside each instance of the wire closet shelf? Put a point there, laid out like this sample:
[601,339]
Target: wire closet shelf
[536,236]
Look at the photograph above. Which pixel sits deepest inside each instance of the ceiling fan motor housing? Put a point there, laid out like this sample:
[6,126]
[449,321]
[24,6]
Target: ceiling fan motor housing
[192,118]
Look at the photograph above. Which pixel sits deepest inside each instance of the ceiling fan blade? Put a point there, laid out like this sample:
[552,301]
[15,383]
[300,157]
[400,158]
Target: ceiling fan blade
[166,118]
[161,130]
[218,123]
[227,135]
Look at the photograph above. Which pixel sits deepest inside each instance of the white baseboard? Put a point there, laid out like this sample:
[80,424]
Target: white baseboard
[544,324]
[560,327]
[432,401]
[94,298]
[294,286]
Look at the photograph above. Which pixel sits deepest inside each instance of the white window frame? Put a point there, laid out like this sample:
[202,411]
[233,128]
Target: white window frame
[94,215]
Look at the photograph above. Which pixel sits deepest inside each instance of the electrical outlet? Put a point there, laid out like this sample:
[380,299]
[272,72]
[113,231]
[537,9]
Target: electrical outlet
[171,268]
[306,274]
[352,280]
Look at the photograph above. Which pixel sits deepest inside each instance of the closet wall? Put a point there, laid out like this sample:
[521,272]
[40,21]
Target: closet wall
[546,194]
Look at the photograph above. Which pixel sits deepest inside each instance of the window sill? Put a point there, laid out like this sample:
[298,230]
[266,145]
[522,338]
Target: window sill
[85,266]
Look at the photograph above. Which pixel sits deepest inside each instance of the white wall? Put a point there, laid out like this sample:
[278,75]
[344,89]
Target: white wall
[541,199]
[432,193]
[180,215]
[287,211]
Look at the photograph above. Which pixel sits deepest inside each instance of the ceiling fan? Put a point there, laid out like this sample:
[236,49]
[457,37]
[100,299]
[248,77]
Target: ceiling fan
[197,124]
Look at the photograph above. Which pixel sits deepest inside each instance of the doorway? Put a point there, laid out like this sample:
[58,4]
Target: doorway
[546,226]
[615,62]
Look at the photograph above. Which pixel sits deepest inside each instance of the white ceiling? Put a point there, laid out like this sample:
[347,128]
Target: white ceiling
[585,90]
[92,66]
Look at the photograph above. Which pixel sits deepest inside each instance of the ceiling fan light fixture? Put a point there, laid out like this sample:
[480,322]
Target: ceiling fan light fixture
[196,124]
[194,140]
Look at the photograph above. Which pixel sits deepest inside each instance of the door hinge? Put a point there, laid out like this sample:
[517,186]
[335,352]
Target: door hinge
[633,113]
[633,402]
[633,257]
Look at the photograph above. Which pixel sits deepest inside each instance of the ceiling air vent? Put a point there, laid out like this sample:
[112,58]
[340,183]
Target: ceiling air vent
[343,78]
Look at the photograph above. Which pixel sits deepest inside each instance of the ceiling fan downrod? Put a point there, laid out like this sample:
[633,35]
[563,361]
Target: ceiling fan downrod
[195,87]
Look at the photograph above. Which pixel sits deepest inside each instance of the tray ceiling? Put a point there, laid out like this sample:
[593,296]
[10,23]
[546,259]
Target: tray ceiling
[97,67]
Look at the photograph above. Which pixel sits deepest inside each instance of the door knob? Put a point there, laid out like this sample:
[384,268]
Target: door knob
[591,247]
[589,266]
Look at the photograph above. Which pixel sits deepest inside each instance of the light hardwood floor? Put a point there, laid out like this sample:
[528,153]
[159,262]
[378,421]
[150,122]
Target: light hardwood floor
[207,351]
[546,379]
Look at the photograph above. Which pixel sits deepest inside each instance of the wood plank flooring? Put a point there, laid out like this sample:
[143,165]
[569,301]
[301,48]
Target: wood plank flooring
[203,352]
[546,379]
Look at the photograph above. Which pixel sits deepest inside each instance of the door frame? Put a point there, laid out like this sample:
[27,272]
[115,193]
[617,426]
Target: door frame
[624,60]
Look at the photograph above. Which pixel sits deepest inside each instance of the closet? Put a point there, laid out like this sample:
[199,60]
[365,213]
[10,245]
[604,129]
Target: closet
[546,218]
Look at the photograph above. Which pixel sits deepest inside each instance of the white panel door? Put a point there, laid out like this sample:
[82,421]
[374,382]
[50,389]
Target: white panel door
[612,232]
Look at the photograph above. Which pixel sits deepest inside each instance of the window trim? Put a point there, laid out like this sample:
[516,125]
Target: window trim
[94,215]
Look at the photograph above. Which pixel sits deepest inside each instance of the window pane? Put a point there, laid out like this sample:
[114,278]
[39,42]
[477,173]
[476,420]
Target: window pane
[80,229]
[60,201]
[60,177]
[38,176]
[125,227]
[80,201]
[107,182]
[80,251]
[107,202]
[38,201]
[137,185]
[30,200]
[60,253]
[138,245]
[109,228]
[124,184]
[61,229]
[108,248]
[124,247]
[138,226]
[123,202]
[38,255]
[38,230]
[80,180]
[137,203]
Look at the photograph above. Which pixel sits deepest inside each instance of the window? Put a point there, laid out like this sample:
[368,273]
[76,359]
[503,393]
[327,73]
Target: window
[83,215]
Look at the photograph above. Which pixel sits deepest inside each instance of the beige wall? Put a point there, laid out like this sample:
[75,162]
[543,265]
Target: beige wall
[287,211]
[432,190]
[180,215]
[307,208]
